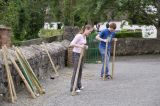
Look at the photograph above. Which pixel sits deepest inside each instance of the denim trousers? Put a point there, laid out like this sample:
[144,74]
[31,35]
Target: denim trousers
[102,52]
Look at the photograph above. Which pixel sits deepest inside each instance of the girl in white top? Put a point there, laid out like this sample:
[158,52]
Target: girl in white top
[79,42]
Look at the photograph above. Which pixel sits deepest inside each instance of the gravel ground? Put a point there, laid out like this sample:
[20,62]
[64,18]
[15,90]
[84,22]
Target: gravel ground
[136,83]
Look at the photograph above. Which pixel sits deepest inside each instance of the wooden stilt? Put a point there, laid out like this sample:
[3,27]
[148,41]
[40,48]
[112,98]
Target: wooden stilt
[113,60]
[105,61]
[77,73]
[12,84]
[30,72]
[23,78]
[8,75]
[53,65]
[25,73]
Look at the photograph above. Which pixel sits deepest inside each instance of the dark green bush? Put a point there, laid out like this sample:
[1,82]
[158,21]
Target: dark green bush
[44,33]
[127,34]
[15,41]
[92,54]
[91,37]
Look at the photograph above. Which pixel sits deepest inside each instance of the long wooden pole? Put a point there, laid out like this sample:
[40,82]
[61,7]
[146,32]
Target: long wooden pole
[105,61]
[12,84]
[77,73]
[25,72]
[113,60]
[13,88]
[23,78]
[27,63]
[30,71]
[45,48]
[8,76]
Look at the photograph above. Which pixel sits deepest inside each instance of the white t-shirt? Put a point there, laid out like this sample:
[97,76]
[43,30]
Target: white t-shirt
[78,39]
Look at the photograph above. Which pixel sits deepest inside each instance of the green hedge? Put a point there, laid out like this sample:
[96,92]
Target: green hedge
[127,34]
[92,54]
[92,36]
[15,41]
[121,34]
[50,32]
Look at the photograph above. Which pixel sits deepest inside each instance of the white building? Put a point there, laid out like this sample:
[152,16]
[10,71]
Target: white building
[53,25]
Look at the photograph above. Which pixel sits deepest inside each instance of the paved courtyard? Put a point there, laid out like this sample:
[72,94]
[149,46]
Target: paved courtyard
[136,83]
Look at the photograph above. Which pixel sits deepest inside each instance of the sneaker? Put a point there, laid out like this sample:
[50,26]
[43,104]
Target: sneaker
[81,88]
[109,76]
[78,91]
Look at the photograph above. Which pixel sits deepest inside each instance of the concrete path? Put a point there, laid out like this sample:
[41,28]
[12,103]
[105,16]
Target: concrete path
[136,83]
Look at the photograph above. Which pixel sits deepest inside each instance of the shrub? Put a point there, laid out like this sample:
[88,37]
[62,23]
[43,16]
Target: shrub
[92,36]
[15,41]
[50,32]
[126,34]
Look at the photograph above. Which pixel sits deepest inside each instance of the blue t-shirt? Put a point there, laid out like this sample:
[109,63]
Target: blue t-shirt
[106,34]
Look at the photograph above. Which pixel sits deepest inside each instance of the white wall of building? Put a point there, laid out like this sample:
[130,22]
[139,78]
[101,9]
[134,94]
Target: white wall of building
[52,25]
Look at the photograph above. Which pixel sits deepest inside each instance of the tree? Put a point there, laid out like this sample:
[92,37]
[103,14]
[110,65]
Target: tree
[62,10]
[137,12]
[9,13]
[90,11]
[35,10]
[26,17]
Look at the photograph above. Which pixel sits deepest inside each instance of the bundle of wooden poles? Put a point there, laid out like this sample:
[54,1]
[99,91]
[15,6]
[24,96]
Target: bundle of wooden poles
[25,72]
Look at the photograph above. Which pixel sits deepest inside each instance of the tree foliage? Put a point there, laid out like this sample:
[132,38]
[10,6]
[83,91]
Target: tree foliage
[138,14]
[27,17]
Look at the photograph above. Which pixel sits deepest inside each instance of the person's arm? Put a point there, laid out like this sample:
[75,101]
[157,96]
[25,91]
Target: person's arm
[100,39]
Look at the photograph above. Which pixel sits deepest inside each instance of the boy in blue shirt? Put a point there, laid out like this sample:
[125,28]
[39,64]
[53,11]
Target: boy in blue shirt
[104,36]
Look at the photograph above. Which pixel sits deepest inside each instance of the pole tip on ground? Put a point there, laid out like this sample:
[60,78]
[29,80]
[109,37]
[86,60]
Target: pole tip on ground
[73,93]
[57,75]
[42,91]
[37,94]
[104,78]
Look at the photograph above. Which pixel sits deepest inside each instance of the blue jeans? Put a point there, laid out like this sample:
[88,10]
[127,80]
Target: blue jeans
[102,52]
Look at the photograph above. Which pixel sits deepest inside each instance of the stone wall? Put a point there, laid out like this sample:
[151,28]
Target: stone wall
[38,60]
[40,40]
[137,46]
[70,32]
